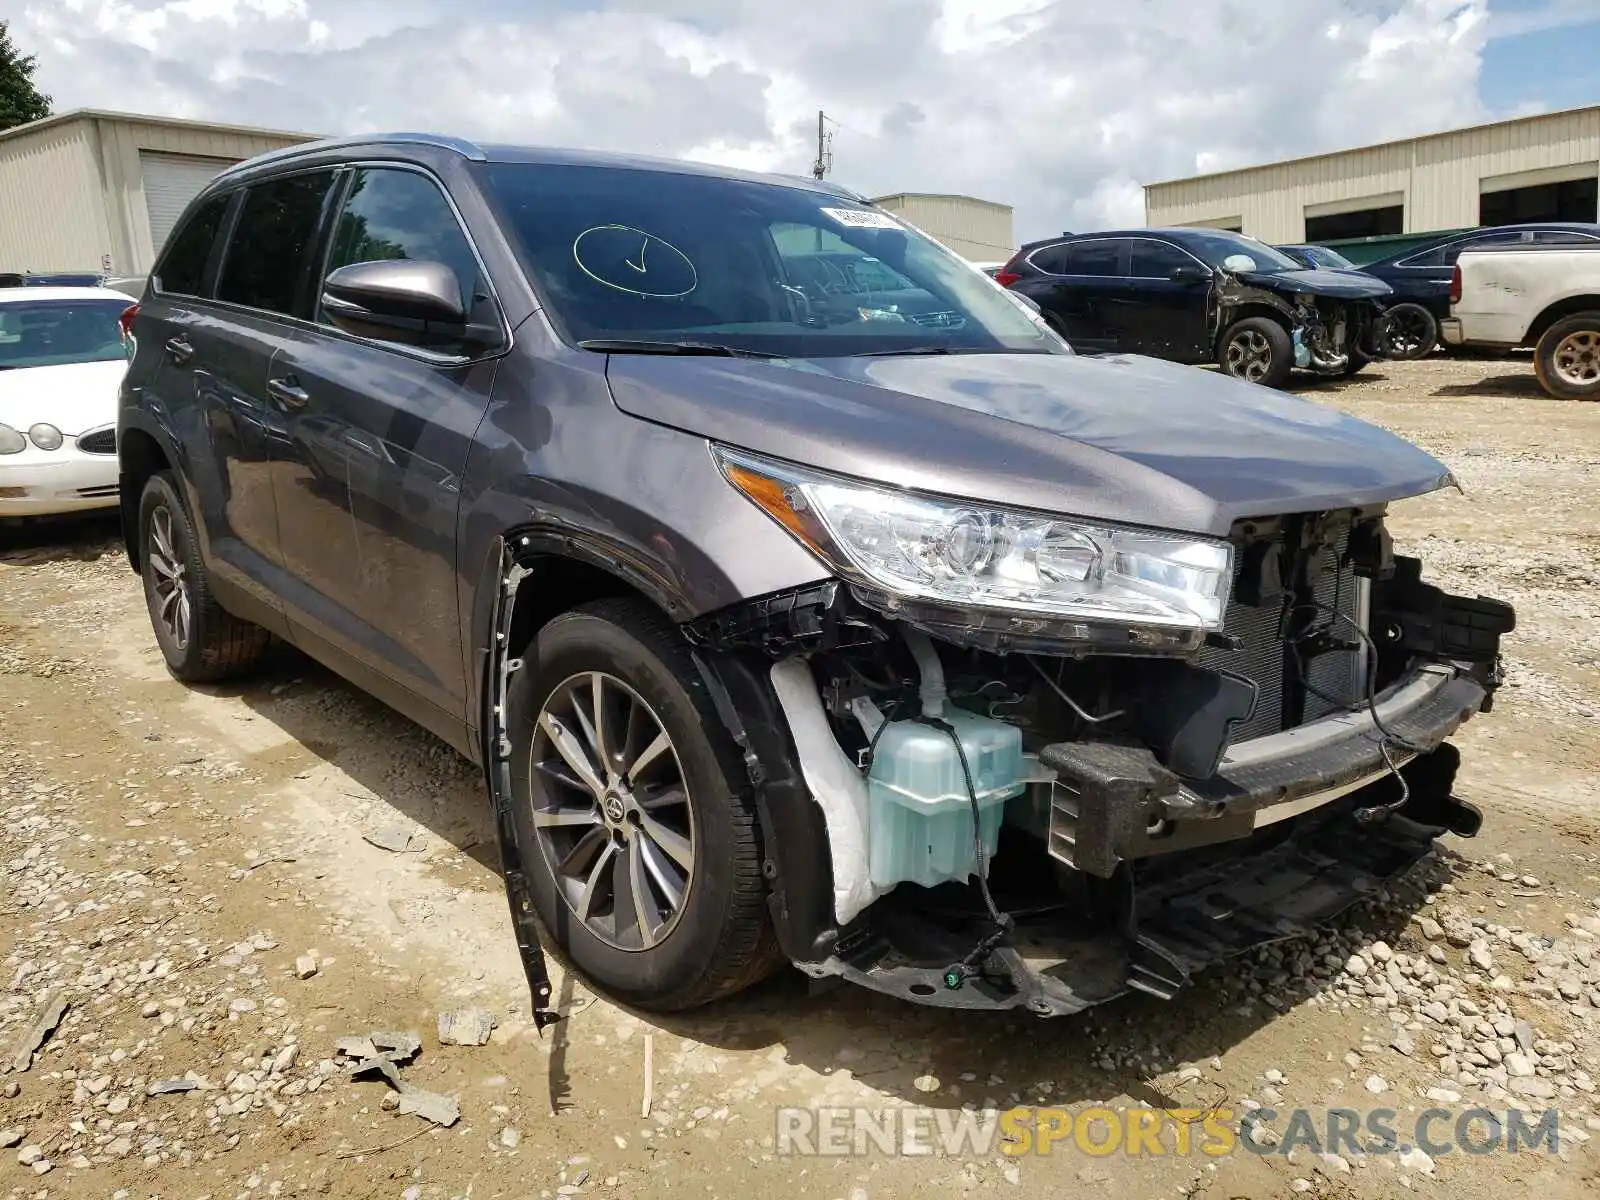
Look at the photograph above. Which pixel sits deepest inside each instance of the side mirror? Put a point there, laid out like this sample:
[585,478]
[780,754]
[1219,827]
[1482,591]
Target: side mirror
[1189,274]
[400,300]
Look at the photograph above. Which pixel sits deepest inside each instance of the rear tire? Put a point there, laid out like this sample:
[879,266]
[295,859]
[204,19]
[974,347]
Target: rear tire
[1412,333]
[597,845]
[200,640]
[1257,350]
[1567,359]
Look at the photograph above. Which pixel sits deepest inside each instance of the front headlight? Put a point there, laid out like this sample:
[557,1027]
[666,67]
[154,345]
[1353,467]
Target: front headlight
[977,556]
[11,442]
[45,436]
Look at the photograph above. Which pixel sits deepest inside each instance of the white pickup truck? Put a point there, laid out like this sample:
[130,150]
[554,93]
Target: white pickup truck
[1547,297]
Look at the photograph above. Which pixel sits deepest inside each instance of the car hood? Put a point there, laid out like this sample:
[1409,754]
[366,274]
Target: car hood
[75,398]
[1340,285]
[1119,438]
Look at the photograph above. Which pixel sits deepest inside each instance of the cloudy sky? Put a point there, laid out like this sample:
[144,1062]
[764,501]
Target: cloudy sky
[1059,107]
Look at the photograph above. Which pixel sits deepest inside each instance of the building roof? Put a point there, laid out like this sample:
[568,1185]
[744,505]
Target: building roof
[101,114]
[940,196]
[1421,137]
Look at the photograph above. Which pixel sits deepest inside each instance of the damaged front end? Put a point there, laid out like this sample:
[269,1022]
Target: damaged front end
[982,808]
[1334,329]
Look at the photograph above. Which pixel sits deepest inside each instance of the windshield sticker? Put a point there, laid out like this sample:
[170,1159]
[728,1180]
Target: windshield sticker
[634,261]
[862,218]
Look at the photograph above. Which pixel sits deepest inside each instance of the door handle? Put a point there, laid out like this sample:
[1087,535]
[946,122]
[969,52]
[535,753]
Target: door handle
[180,349]
[286,390]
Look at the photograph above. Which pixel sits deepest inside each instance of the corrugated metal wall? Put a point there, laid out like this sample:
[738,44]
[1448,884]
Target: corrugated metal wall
[973,229]
[1438,176]
[52,216]
[72,194]
[120,142]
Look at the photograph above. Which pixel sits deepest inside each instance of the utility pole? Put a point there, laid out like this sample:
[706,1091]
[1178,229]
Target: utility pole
[824,140]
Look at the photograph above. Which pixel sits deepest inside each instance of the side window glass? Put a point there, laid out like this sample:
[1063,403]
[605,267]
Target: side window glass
[183,267]
[1452,253]
[1562,237]
[391,214]
[273,242]
[1051,258]
[1156,260]
[1093,258]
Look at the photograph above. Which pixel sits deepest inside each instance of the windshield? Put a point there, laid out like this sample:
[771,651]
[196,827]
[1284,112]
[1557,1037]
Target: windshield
[1226,250]
[1321,256]
[659,256]
[52,333]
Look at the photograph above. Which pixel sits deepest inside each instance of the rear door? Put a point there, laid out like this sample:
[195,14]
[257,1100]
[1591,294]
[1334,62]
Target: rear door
[192,376]
[1166,318]
[377,434]
[1080,290]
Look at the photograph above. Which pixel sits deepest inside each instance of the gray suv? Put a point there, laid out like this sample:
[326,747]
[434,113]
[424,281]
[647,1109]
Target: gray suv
[802,595]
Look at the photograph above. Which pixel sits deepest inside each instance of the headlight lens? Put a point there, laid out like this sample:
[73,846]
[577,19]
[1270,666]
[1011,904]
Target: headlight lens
[973,555]
[11,442]
[45,436]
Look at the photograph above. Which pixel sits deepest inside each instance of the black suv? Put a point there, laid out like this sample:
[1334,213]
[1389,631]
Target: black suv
[1199,296]
[801,594]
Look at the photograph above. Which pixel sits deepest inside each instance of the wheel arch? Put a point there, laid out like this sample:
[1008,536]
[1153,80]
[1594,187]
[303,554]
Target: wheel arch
[534,575]
[1561,309]
[141,453]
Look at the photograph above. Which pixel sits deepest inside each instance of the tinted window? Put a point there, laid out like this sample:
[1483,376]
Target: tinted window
[1092,258]
[50,333]
[1217,246]
[273,242]
[183,268]
[1563,237]
[675,256]
[1157,260]
[401,214]
[1446,255]
[1051,258]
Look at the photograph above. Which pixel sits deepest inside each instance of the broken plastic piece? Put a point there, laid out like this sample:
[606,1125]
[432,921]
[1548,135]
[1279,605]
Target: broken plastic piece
[355,1047]
[394,838]
[836,784]
[466,1027]
[430,1106]
[55,1007]
[397,1047]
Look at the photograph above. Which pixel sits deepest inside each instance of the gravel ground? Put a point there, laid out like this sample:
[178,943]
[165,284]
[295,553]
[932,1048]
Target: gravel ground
[197,900]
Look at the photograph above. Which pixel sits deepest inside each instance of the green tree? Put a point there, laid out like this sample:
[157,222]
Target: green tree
[20,101]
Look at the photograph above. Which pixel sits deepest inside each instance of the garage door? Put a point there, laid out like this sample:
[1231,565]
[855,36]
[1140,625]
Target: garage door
[170,182]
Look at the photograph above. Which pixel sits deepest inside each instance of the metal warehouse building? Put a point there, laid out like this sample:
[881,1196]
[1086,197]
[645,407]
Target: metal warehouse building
[978,230]
[99,191]
[1542,168]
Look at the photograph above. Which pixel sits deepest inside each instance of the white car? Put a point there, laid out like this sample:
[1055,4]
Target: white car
[62,357]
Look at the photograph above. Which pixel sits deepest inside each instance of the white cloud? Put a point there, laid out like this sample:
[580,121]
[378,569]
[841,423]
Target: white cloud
[1060,107]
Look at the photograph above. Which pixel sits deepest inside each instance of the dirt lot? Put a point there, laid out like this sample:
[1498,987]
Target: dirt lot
[175,860]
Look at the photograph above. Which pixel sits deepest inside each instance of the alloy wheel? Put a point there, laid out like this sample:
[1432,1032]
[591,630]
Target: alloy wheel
[1577,358]
[174,609]
[1249,356]
[611,810]
[1406,334]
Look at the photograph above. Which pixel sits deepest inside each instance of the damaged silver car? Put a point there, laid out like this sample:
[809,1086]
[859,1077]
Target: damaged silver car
[805,598]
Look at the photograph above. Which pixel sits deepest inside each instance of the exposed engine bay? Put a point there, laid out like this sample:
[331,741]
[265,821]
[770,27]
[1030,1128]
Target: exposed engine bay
[991,811]
[1331,335]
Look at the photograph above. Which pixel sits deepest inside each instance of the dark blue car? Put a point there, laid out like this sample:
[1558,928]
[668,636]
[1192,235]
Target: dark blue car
[1420,277]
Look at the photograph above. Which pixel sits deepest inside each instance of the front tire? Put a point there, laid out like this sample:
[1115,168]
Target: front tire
[1567,359]
[1412,332]
[1257,350]
[200,640]
[635,824]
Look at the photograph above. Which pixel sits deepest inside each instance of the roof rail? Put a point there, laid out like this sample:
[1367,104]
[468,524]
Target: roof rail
[439,141]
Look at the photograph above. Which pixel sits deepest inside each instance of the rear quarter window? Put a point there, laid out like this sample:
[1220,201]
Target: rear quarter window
[183,268]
